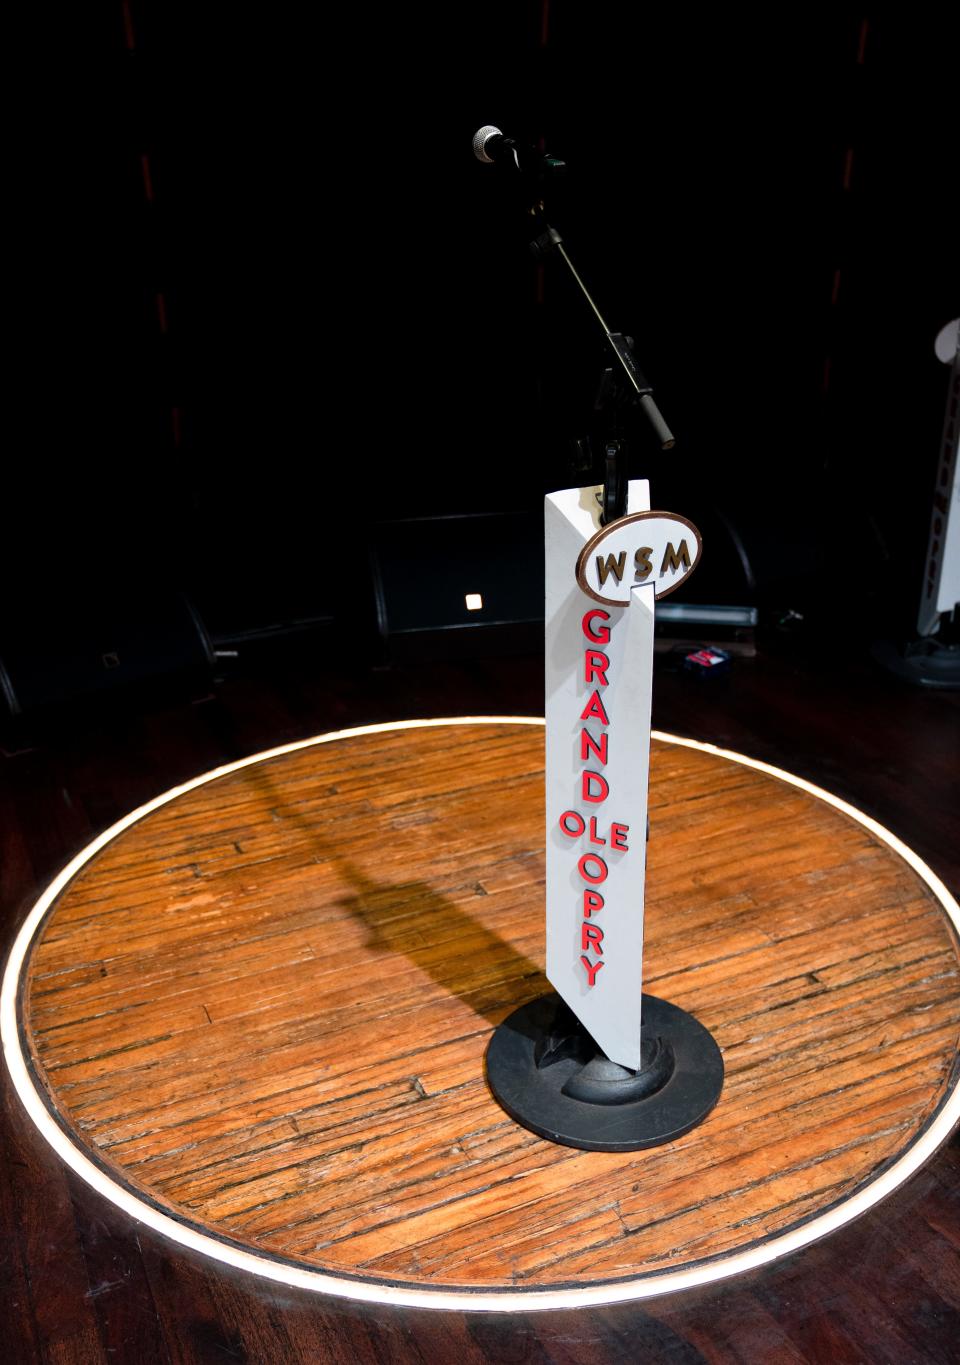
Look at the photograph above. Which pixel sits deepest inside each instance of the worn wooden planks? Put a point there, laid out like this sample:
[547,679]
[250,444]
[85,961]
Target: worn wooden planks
[266,1005]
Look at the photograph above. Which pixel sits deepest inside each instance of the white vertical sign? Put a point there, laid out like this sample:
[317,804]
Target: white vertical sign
[600,589]
[598,743]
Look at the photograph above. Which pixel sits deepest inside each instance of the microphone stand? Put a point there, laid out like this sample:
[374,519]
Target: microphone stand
[622,386]
[543,1064]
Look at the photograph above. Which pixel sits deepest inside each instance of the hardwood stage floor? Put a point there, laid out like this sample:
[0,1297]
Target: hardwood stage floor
[82,1284]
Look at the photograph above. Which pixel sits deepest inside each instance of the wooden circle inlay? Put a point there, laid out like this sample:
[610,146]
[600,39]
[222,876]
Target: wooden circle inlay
[264,1007]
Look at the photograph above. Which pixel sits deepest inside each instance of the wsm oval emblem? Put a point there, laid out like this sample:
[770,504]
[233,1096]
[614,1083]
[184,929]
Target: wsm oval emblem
[647,547]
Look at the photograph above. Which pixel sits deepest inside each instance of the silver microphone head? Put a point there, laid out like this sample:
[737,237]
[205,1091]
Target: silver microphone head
[480,139]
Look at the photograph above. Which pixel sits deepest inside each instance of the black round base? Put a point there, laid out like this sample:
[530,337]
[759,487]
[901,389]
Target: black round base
[927,662]
[548,1074]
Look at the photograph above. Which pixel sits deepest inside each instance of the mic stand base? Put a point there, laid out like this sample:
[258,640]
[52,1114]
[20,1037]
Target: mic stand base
[928,661]
[546,1071]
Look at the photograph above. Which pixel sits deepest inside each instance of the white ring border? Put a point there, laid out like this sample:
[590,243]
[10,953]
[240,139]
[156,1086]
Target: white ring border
[480,1300]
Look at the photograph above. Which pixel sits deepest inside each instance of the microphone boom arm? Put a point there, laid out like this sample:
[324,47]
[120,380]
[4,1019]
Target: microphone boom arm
[623,384]
[626,366]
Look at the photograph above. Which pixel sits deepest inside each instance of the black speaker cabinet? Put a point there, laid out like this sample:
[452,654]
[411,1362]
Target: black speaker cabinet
[458,582]
[60,651]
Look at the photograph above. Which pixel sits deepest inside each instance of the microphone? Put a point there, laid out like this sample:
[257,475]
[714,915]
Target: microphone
[490,145]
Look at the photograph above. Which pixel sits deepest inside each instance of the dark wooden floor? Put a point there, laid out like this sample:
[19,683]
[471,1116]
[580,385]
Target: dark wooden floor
[82,1285]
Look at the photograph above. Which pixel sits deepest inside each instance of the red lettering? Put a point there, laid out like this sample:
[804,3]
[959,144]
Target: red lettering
[586,791]
[577,819]
[600,636]
[595,665]
[594,710]
[594,788]
[591,937]
[592,969]
[594,878]
[588,744]
[592,900]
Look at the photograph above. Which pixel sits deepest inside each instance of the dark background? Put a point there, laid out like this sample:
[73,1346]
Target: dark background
[270,297]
